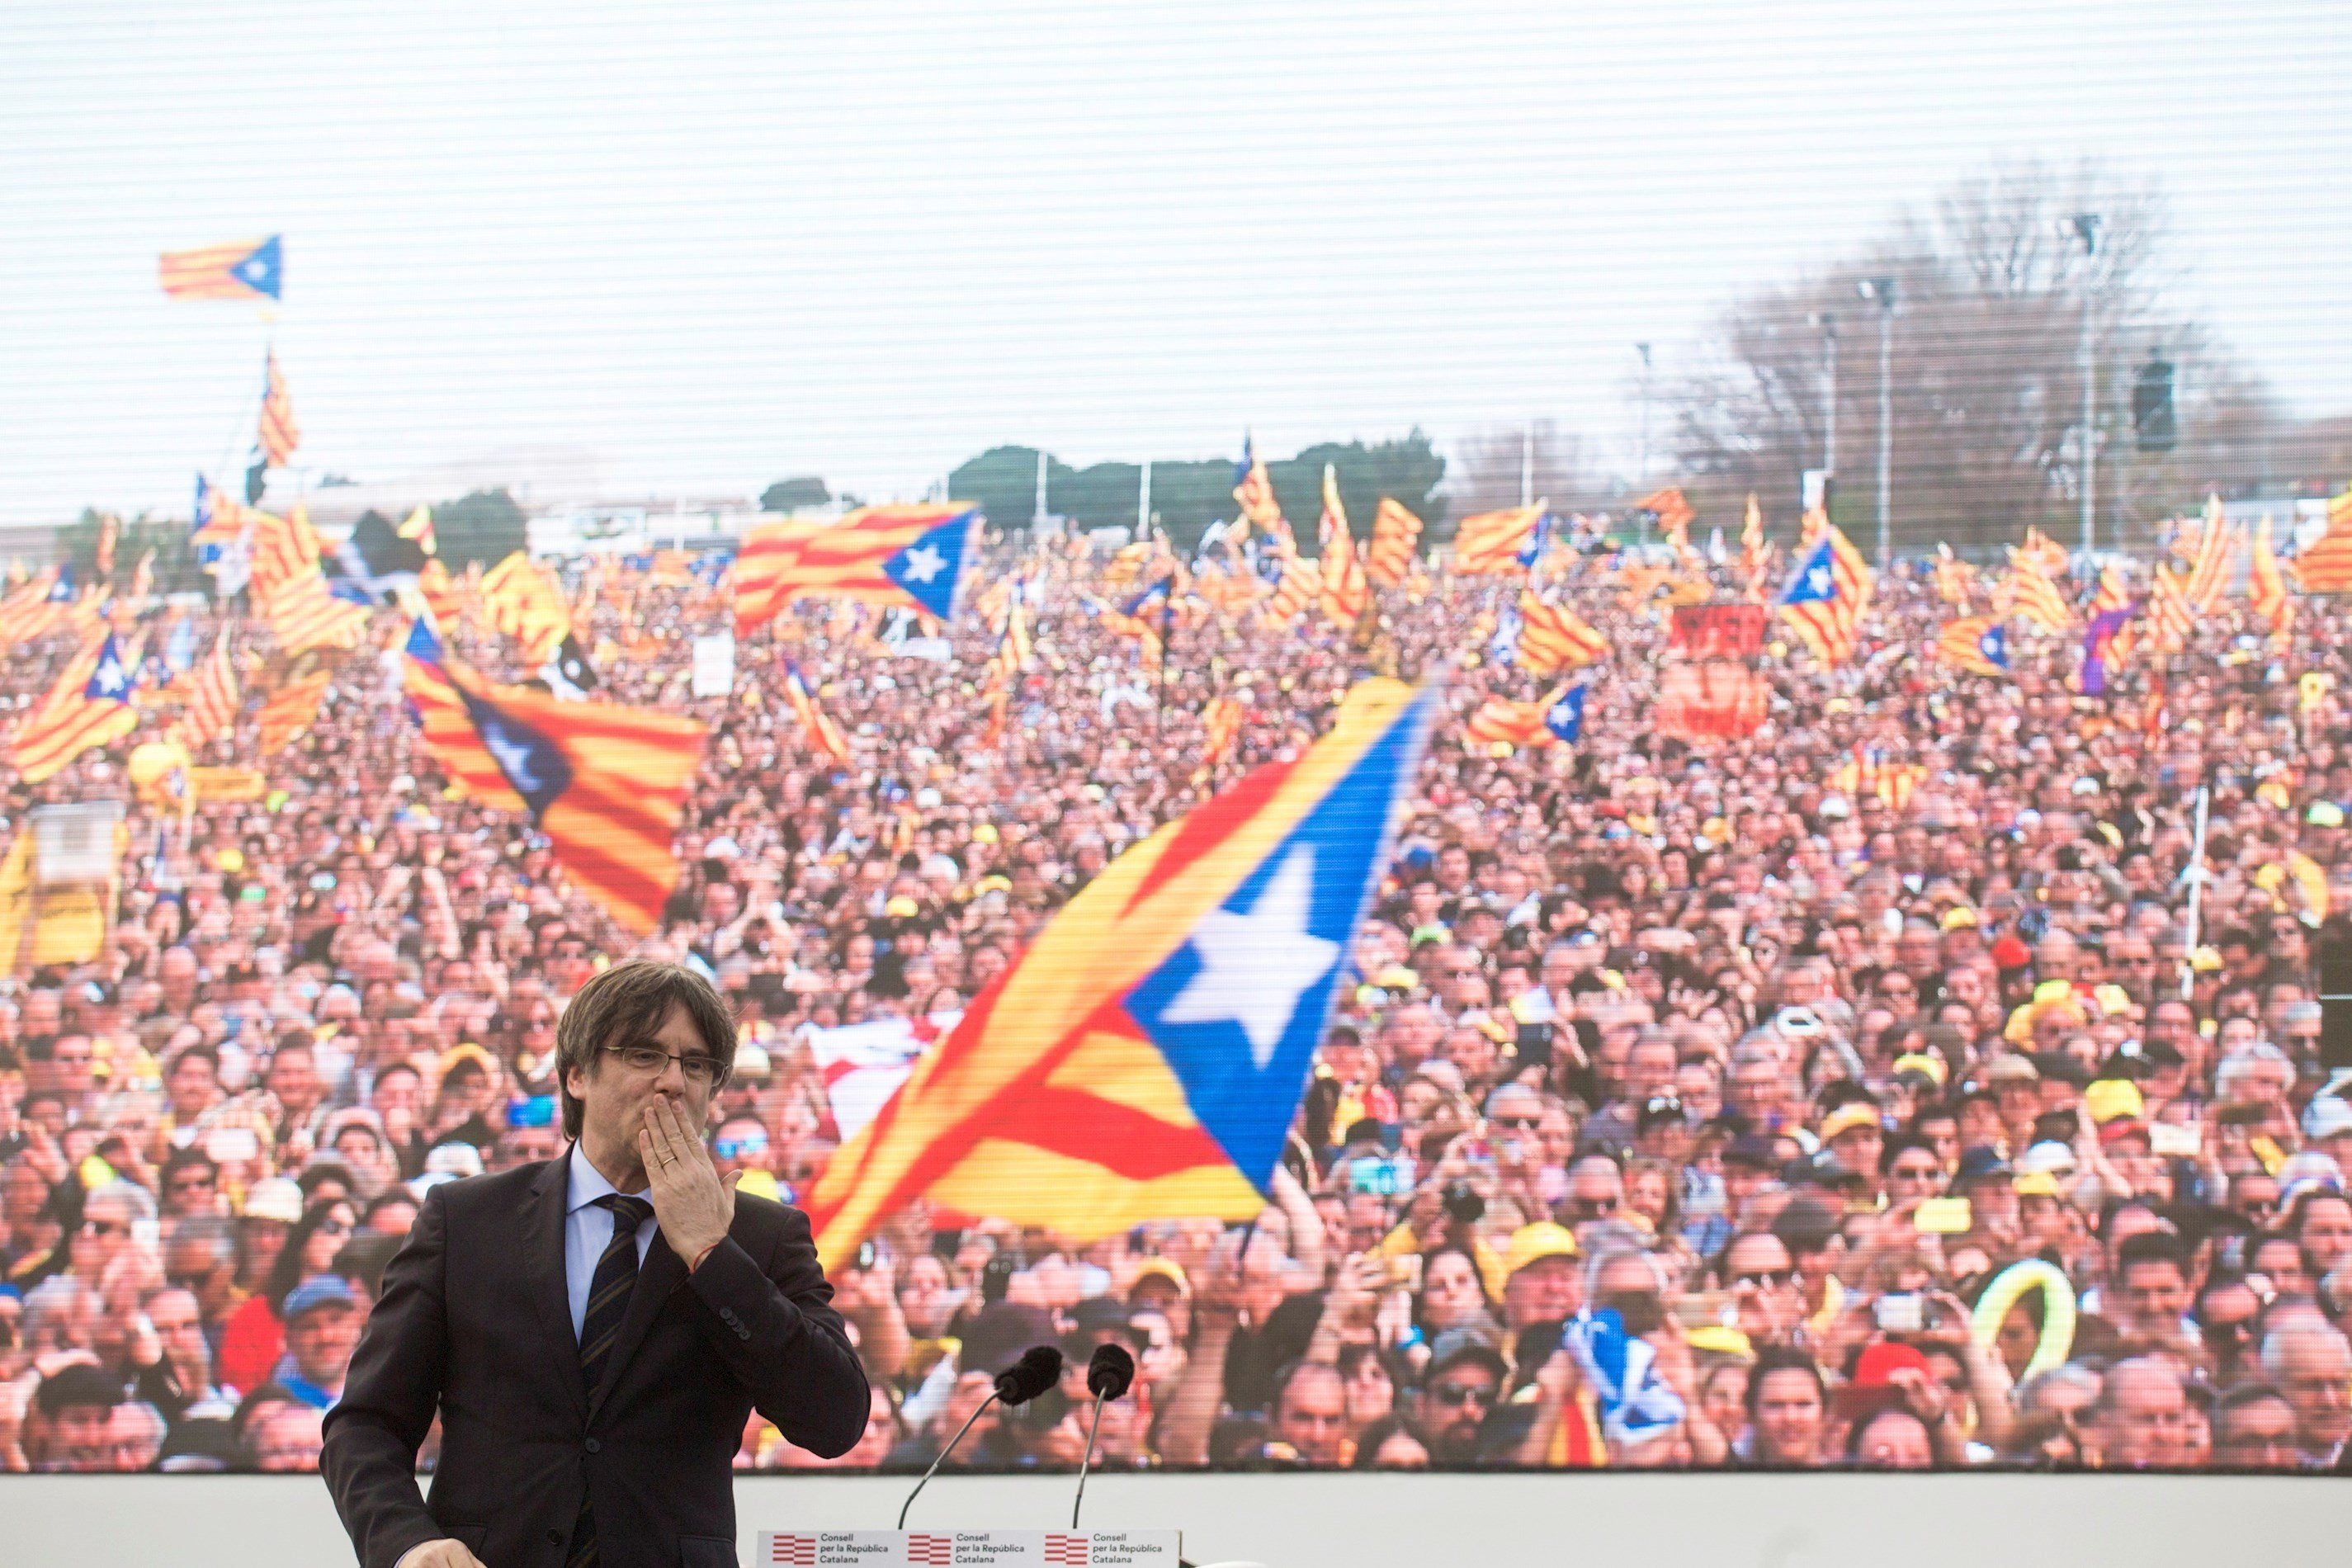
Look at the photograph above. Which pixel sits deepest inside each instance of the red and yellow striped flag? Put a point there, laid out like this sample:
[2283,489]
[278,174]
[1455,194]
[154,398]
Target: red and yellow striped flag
[1500,720]
[1827,597]
[280,433]
[1956,580]
[2042,554]
[2172,619]
[88,705]
[2217,550]
[241,269]
[816,724]
[290,710]
[1492,541]
[1554,637]
[2036,596]
[909,556]
[1962,643]
[1301,585]
[1674,514]
[1344,592]
[1011,655]
[2266,590]
[522,604]
[1220,727]
[1396,536]
[213,698]
[2326,566]
[1751,539]
[1254,493]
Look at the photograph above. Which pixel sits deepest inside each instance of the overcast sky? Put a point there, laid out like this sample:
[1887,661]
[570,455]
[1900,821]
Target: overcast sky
[718,244]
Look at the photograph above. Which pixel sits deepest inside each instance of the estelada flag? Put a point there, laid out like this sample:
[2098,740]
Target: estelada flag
[88,705]
[1554,637]
[1145,1058]
[1345,591]
[1396,535]
[1298,586]
[241,269]
[606,784]
[1827,594]
[1978,644]
[1492,541]
[1674,514]
[213,700]
[911,556]
[1498,721]
[280,433]
[816,724]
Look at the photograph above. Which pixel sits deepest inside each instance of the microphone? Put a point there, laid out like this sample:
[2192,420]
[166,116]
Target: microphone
[1039,1368]
[1109,1370]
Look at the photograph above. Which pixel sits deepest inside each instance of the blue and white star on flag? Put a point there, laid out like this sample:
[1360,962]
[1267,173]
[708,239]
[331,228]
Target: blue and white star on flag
[1994,645]
[109,681]
[931,566]
[1565,717]
[1255,963]
[1815,579]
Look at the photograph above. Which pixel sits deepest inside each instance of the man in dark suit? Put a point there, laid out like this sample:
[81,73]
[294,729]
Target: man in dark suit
[593,1329]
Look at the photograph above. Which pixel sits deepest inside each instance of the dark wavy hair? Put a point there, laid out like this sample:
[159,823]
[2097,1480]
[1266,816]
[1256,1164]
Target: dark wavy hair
[631,1001]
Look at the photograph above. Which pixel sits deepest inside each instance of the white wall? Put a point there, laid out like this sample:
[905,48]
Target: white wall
[1339,1520]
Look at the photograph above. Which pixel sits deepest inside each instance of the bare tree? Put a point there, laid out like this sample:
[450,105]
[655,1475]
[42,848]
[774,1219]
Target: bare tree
[1990,286]
[1485,471]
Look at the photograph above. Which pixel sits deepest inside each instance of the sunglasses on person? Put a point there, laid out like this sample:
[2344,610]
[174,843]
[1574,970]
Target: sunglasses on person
[1515,1123]
[196,1182]
[1454,1396]
[1767,1278]
[1589,1208]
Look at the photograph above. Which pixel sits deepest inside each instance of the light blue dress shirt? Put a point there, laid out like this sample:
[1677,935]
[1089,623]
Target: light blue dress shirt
[588,1230]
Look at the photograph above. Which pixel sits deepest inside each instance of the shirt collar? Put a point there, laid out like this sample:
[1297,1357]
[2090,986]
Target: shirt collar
[586,1184]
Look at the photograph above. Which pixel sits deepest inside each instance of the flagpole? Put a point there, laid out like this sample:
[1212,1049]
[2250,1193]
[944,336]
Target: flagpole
[2196,890]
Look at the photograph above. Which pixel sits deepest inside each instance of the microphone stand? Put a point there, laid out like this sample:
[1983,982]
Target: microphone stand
[1093,1427]
[943,1456]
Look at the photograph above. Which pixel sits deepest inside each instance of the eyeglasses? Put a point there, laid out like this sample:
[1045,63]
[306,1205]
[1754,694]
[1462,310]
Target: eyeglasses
[1455,1395]
[1767,1278]
[1517,1123]
[192,1184]
[104,1227]
[698,1070]
[1913,1173]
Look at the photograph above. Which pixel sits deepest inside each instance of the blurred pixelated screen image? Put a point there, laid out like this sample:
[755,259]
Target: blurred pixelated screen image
[1529,737]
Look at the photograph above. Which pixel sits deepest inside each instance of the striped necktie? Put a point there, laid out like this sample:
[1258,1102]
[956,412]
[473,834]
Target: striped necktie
[608,1303]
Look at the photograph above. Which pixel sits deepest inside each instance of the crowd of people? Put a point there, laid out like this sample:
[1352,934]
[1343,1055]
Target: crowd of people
[1684,1105]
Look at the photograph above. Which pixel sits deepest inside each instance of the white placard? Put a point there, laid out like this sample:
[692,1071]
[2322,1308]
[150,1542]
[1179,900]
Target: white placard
[967,1549]
[714,665]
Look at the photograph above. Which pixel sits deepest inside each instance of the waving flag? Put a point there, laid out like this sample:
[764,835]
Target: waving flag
[1674,514]
[1254,493]
[213,700]
[1636,1401]
[1344,592]
[1300,583]
[815,723]
[88,705]
[2266,593]
[1956,580]
[1565,717]
[292,710]
[522,604]
[2326,566]
[1396,536]
[2036,596]
[241,269]
[38,608]
[1498,721]
[2042,554]
[1492,541]
[1752,546]
[1145,1058]
[2102,647]
[1978,644]
[1220,727]
[280,433]
[884,555]
[1553,638]
[1825,598]
[606,784]
[2171,614]
[2217,551]
[1011,655]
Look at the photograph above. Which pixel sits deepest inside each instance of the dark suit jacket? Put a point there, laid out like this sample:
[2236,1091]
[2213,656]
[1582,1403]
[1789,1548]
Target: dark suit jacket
[474,1321]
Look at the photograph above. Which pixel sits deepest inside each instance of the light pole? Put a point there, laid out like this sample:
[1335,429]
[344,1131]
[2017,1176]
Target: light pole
[1882,289]
[1828,321]
[2086,229]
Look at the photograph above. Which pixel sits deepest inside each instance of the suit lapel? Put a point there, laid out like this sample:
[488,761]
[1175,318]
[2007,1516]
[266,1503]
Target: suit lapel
[660,1274]
[542,1267]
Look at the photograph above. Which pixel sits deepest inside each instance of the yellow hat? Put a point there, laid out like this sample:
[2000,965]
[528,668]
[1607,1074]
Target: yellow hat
[466,1051]
[1959,917]
[2205,960]
[1720,1341]
[2035,1185]
[901,908]
[1846,1118]
[1927,1062]
[230,860]
[2111,999]
[1534,1243]
[1166,1268]
[2054,991]
[2110,1098]
[984,834]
